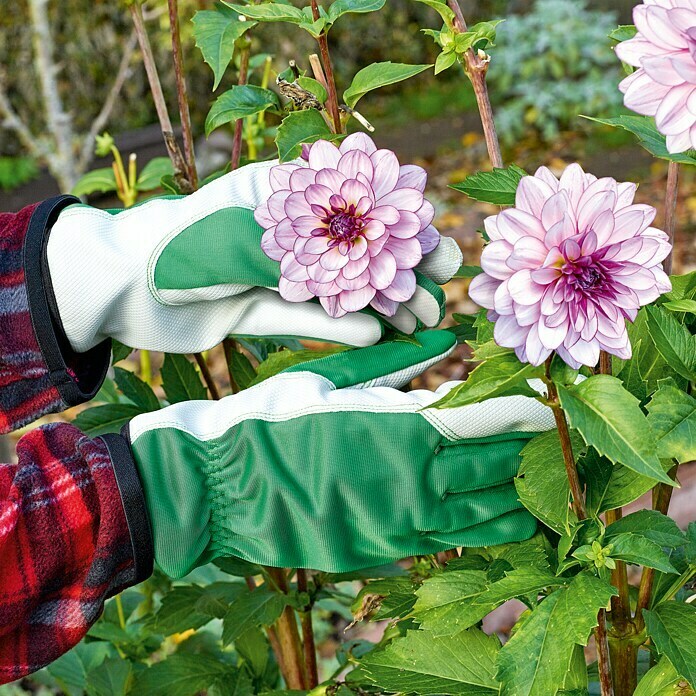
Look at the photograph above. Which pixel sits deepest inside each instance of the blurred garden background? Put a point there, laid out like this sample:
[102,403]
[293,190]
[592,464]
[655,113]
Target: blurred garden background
[552,61]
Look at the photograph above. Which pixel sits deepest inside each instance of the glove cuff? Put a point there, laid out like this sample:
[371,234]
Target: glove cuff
[133,499]
[76,376]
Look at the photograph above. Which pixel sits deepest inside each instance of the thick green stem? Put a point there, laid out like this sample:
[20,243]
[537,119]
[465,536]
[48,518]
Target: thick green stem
[603,660]
[624,658]
[671,198]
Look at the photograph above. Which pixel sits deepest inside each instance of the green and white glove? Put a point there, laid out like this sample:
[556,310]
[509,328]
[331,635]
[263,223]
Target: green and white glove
[329,466]
[180,275]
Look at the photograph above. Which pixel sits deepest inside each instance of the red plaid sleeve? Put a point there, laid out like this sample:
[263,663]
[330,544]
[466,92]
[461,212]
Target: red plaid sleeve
[65,546]
[39,372]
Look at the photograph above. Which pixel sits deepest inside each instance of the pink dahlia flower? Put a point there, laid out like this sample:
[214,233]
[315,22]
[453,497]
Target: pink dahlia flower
[348,227]
[568,265]
[664,86]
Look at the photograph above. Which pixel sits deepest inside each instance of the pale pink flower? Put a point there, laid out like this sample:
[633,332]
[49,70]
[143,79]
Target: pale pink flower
[349,227]
[664,86]
[568,265]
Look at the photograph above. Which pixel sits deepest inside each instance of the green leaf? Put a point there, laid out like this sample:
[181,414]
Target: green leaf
[139,392]
[672,627]
[663,680]
[300,127]
[96,181]
[217,597]
[119,351]
[70,670]
[681,306]
[648,136]
[445,61]
[270,12]
[314,87]
[468,272]
[180,380]
[651,524]
[379,75]
[341,7]
[239,102]
[242,369]
[180,675]
[612,486]
[106,419]
[623,32]
[235,683]
[113,677]
[258,608]
[640,550]
[503,375]
[683,287]
[542,482]
[215,33]
[672,415]
[442,9]
[421,663]
[498,187]
[674,341]
[151,176]
[275,363]
[610,419]
[238,567]
[536,659]
[452,601]
[178,611]
[388,598]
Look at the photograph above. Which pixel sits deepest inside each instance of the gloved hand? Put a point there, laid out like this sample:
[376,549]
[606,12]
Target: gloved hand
[329,466]
[181,275]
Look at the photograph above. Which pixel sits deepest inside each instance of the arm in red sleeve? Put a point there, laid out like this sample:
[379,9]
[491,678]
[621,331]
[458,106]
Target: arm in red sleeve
[39,372]
[73,532]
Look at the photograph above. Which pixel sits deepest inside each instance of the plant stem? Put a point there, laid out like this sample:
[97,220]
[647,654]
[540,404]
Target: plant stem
[624,661]
[239,123]
[566,447]
[230,346]
[476,69]
[289,637]
[662,495]
[158,97]
[308,641]
[603,654]
[182,95]
[323,41]
[671,211]
[207,377]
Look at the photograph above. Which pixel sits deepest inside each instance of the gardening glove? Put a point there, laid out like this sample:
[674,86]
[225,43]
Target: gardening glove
[179,275]
[329,466]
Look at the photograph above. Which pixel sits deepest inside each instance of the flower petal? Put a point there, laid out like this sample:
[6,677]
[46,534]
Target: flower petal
[293,292]
[412,176]
[386,173]
[355,300]
[382,270]
[323,155]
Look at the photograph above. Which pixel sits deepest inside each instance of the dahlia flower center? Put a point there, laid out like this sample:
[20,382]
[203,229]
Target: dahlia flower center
[585,275]
[344,227]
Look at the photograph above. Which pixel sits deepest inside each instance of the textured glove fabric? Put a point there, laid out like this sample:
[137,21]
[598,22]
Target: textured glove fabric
[180,274]
[304,470]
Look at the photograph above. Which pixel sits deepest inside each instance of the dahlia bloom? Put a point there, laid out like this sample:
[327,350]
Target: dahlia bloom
[568,265]
[664,86]
[348,227]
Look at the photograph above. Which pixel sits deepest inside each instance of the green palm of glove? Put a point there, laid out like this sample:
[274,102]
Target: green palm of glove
[327,467]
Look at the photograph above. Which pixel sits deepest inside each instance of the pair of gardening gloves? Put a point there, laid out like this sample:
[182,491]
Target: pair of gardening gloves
[327,465]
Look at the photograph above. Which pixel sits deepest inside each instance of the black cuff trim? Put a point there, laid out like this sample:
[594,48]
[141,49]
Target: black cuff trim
[133,498]
[77,376]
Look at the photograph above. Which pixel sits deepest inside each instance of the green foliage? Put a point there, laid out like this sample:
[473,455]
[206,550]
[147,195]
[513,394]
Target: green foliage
[557,43]
[643,127]
[277,362]
[181,381]
[301,127]
[537,658]
[216,32]
[379,75]
[503,375]
[498,186]
[672,415]
[109,418]
[674,341]
[424,664]
[150,177]
[542,483]
[258,608]
[239,102]
[672,627]
[96,181]
[183,675]
[663,680]
[610,420]
[136,390]
[17,171]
